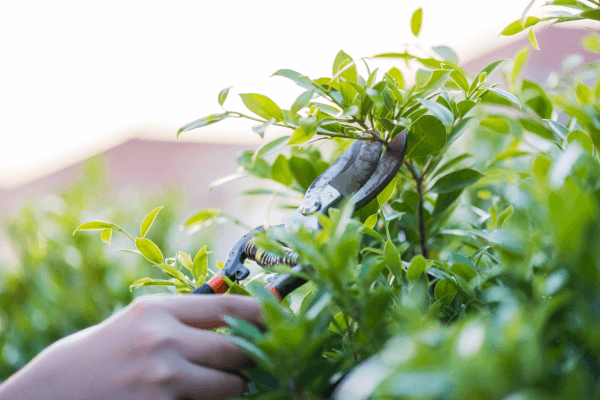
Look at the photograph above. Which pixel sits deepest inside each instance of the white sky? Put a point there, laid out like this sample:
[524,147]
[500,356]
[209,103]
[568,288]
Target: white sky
[79,77]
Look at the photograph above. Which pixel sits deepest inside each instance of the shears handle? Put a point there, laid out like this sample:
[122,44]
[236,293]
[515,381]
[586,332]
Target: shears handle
[280,286]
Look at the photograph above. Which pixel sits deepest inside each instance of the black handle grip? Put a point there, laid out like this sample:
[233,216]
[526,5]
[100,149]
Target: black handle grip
[284,284]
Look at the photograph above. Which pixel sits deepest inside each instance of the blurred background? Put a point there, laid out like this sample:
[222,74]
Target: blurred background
[92,97]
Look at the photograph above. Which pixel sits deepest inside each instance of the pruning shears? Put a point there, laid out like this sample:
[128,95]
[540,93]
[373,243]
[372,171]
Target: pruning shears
[359,175]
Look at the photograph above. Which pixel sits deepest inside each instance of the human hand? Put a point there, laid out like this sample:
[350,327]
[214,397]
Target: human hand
[158,347]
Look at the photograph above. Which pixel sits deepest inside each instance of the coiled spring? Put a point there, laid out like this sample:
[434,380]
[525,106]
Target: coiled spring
[266,258]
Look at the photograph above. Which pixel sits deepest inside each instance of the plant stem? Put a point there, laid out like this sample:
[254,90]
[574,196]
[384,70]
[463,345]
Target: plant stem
[419,181]
[350,336]
[373,137]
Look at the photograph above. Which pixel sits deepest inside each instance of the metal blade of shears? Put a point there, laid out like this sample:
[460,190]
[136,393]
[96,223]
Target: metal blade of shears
[341,180]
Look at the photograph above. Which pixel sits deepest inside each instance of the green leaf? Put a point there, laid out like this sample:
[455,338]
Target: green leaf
[384,196]
[319,304]
[106,235]
[491,68]
[96,225]
[223,95]
[369,231]
[271,147]
[506,95]
[582,92]
[456,180]
[446,53]
[375,310]
[262,106]
[445,289]
[512,153]
[465,106]
[426,136]
[592,14]
[537,99]
[397,76]
[458,129]
[464,271]
[376,97]
[559,129]
[181,286]
[172,272]
[533,126]
[242,328]
[415,22]
[458,77]
[459,258]
[439,111]
[149,250]
[582,139]
[308,124]
[262,128]
[301,136]
[223,180]
[518,26]
[450,163]
[341,60]
[302,101]
[417,266]
[423,76]
[526,11]
[280,171]
[444,201]
[150,282]
[371,221]
[303,171]
[341,322]
[326,108]
[345,73]
[139,283]
[200,265]
[520,62]
[300,80]
[513,28]
[199,123]
[576,4]
[288,73]
[148,220]
[533,40]
[372,250]
[254,352]
[202,216]
[391,253]
[437,78]
[497,124]
[186,260]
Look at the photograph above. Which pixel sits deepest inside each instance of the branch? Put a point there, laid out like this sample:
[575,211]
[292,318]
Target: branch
[419,181]
[350,336]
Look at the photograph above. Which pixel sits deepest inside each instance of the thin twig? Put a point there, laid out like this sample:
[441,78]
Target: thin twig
[419,181]
[350,335]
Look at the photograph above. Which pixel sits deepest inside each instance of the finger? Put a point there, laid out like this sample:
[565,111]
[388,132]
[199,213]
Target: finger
[198,382]
[211,349]
[207,311]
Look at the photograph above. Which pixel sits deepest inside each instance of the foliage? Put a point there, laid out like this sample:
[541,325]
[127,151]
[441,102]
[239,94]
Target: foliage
[63,283]
[471,275]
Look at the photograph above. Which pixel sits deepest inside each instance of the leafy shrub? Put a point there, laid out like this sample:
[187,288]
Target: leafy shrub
[469,276]
[64,283]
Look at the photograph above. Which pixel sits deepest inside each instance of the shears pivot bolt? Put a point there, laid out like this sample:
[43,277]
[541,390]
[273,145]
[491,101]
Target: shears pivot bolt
[309,206]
